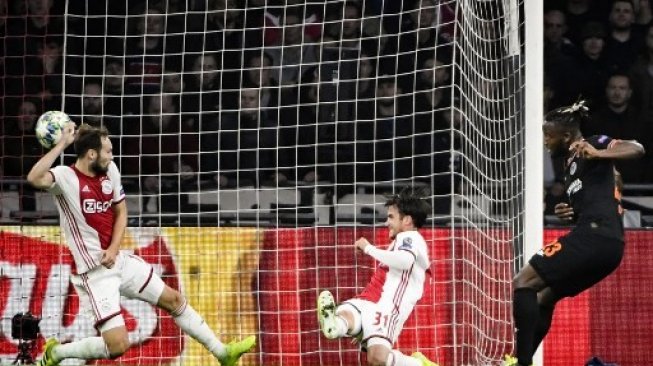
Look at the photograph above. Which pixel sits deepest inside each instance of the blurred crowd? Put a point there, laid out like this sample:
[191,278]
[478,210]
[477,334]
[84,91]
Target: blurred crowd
[237,93]
[229,93]
[602,51]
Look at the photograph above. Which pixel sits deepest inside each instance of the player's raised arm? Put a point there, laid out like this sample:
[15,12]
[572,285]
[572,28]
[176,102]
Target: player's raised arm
[399,259]
[39,177]
[618,149]
[624,149]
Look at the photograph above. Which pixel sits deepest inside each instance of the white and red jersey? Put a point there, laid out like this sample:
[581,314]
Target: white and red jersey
[86,212]
[403,288]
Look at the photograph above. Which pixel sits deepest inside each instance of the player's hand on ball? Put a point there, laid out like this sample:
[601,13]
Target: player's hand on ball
[564,211]
[361,244]
[68,134]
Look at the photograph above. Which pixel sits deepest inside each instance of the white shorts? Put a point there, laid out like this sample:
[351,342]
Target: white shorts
[100,289]
[381,323]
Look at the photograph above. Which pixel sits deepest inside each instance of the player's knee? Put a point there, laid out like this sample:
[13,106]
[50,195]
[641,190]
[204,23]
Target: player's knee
[118,347]
[527,278]
[375,360]
[352,316]
[171,300]
[519,282]
[546,298]
[377,356]
[177,300]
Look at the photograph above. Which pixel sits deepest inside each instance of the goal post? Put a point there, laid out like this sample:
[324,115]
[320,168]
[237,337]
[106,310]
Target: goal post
[534,175]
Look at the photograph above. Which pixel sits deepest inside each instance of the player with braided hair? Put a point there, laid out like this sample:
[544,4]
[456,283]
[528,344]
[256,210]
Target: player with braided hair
[592,249]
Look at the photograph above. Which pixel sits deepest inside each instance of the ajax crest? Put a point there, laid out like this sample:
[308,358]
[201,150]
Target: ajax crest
[106,187]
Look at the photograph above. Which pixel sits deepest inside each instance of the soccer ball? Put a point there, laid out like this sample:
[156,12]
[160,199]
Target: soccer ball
[49,127]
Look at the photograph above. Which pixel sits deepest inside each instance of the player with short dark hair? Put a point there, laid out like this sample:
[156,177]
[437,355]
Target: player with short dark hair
[91,203]
[377,315]
[592,249]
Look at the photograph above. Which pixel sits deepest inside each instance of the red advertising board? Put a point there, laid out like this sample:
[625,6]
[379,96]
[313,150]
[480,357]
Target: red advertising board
[265,281]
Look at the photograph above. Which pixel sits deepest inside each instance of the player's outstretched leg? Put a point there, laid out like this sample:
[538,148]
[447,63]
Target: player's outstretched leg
[425,361]
[194,325]
[47,359]
[235,349]
[326,315]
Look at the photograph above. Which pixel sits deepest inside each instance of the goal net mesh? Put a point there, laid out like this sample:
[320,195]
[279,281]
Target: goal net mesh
[257,140]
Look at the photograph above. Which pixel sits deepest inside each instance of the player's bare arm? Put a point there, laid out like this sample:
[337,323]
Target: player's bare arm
[622,149]
[119,226]
[38,176]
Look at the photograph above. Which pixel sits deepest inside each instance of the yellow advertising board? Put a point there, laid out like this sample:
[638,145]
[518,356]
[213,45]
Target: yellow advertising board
[215,268]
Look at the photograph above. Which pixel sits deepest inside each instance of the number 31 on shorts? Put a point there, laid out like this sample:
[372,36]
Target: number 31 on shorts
[380,319]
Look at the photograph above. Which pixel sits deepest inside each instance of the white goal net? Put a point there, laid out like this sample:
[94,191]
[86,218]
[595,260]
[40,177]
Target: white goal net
[257,140]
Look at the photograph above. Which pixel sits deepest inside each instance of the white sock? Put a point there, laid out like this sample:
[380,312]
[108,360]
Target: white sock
[91,348]
[396,358]
[353,312]
[192,324]
[342,326]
